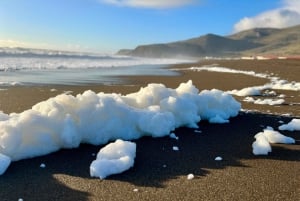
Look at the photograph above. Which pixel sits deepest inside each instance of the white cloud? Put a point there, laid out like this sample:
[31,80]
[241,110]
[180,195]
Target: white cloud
[287,15]
[12,43]
[17,43]
[156,4]
[67,47]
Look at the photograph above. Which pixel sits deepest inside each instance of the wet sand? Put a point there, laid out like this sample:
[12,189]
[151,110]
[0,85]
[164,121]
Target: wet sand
[160,173]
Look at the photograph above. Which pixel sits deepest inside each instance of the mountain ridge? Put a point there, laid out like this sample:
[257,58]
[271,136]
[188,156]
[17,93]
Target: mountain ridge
[255,41]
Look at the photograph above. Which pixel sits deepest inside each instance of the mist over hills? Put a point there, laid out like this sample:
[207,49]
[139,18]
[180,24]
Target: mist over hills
[258,41]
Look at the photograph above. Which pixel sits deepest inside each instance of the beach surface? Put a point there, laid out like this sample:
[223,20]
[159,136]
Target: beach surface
[159,173]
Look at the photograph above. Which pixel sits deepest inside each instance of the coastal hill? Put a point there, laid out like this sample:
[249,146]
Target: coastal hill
[262,41]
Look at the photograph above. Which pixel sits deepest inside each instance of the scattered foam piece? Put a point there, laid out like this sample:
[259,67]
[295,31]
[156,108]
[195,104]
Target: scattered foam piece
[293,125]
[228,70]
[276,137]
[42,165]
[68,92]
[267,101]
[114,158]
[197,131]
[249,99]
[275,82]
[284,84]
[175,148]
[135,190]
[218,158]
[190,176]
[261,146]
[248,91]
[269,93]
[4,163]
[173,136]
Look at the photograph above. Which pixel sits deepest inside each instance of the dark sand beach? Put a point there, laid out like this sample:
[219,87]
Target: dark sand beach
[160,173]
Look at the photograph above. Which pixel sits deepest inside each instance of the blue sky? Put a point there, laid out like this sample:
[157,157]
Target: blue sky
[109,25]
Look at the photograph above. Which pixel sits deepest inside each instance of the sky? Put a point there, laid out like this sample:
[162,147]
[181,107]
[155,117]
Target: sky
[105,26]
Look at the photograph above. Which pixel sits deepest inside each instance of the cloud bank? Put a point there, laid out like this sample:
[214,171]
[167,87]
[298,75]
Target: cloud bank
[13,43]
[156,4]
[287,15]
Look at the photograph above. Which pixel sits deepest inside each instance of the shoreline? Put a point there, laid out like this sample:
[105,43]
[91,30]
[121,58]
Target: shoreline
[286,69]
[160,173]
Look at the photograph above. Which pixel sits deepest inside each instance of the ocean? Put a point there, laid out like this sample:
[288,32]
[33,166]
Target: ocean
[20,66]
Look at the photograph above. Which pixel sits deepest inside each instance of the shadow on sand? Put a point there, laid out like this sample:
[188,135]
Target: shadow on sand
[155,164]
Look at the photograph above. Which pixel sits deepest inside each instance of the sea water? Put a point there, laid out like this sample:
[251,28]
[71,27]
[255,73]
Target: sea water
[45,67]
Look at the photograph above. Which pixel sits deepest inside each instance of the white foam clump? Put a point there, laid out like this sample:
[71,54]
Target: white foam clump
[175,148]
[65,121]
[266,101]
[197,131]
[218,158]
[114,158]
[261,146]
[275,84]
[173,136]
[4,163]
[293,125]
[281,84]
[248,91]
[190,176]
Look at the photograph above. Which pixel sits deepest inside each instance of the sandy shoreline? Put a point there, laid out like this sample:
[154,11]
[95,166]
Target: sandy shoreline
[10,100]
[240,176]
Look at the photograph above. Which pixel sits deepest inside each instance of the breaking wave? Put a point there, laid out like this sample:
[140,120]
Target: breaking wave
[12,59]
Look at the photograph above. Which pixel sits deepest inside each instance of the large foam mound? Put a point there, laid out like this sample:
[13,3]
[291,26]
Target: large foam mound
[65,121]
[114,158]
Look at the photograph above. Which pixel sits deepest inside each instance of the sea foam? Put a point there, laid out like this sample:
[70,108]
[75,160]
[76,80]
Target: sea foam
[66,121]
